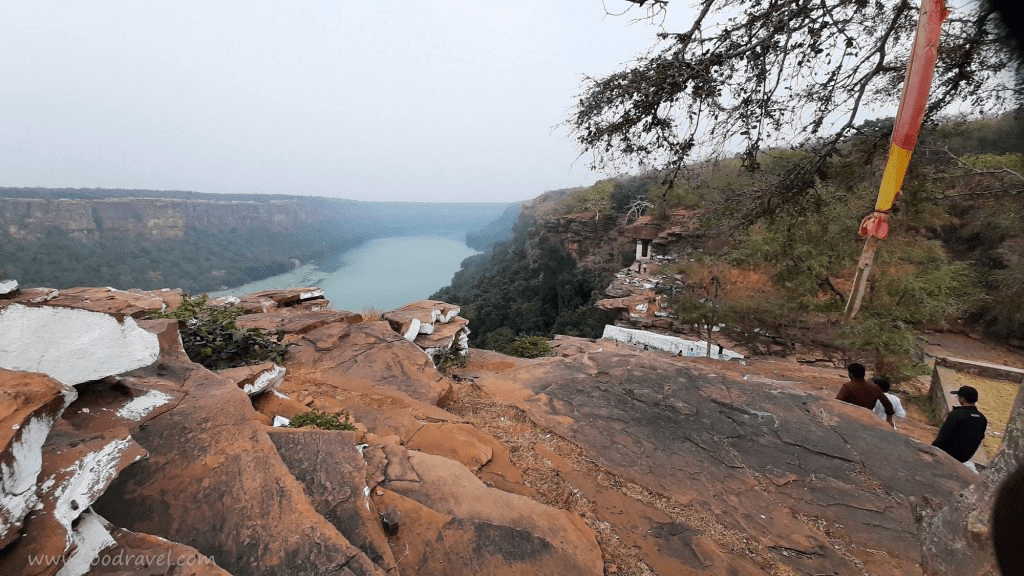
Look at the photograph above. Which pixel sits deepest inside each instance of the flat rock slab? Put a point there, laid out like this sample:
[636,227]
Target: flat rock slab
[30,404]
[373,354]
[292,321]
[331,468]
[72,345]
[446,521]
[267,300]
[8,287]
[713,444]
[118,303]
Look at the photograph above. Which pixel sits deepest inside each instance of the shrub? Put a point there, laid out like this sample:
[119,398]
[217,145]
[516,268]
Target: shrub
[321,420]
[448,360]
[527,347]
[212,338]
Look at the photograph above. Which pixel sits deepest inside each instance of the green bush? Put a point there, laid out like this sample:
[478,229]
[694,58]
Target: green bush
[321,420]
[526,347]
[212,338]
[448,360]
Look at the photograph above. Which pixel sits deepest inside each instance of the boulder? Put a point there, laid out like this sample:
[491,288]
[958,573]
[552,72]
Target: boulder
[212,461]
[78,466]
[427,312]
[330,466]
[255,379]
[370,357]
[71,345]
[432,325]
[8,287]
[30,404]
[446,521]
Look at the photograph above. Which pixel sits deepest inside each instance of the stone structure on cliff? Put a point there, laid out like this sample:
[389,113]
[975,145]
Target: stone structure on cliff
[606,454]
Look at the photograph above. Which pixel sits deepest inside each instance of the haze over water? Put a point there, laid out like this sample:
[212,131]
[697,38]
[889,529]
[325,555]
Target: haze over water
[384,274]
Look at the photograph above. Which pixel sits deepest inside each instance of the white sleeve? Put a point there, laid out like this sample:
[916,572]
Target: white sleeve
[897,406]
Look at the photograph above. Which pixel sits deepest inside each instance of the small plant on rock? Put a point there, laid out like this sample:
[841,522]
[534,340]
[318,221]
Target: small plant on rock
[448,360]
[321,420]
[212,338]
[526,347]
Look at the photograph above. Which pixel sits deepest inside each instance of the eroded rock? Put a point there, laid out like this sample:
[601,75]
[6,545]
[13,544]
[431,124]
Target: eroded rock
[30,404]
[255,379]
[448,514]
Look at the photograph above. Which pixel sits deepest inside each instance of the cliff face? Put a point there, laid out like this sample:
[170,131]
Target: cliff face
[156,218]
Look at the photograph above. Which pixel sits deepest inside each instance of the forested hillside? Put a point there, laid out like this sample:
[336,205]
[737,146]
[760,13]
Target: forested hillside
[954,258]
[198,242]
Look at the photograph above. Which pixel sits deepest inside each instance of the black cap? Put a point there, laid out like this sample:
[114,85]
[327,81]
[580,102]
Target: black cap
[968,393]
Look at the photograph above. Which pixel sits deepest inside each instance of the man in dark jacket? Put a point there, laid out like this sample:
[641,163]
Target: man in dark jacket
[964,428]
[860,392]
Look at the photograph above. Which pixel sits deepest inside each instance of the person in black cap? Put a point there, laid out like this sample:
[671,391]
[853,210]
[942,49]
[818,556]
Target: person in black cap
[964,428]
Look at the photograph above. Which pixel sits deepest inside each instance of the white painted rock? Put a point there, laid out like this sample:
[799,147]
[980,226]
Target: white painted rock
[29,406]
[256,379]
[8,286]
[73,346]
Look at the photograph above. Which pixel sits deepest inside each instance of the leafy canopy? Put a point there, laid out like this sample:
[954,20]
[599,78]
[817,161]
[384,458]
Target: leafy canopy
[752,74]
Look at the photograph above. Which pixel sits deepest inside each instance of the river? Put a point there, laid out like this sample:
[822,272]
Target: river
[382,274]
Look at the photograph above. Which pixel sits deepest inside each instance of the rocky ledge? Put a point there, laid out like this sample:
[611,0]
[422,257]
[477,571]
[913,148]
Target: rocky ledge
[603,459]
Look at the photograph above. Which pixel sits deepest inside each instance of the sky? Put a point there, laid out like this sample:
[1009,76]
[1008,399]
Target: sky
[395,100]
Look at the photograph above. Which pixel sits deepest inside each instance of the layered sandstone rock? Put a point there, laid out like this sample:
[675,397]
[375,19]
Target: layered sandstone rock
[30,404]
[434,326]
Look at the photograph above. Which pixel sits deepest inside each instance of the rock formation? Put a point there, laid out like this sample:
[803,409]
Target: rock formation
[603,459]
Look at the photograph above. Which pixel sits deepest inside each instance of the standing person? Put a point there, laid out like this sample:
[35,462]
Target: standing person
[884,385]
[860,392]
[964,428]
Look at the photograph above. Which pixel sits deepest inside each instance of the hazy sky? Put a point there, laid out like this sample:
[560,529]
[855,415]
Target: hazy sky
[425,100]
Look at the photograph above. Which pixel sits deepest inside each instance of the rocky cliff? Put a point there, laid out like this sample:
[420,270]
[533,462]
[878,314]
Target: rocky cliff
[155,218]
[602,459]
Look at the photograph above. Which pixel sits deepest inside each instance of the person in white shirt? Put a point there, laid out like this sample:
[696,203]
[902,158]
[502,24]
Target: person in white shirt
[883,383]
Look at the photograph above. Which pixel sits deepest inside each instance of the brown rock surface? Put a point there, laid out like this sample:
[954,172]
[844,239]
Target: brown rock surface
[463,443]
[30,404]
[135,554]
[331,468]
[239,503]
[117,303]
[448,522]
[295,321]
[796,473]
[371,357]
[268,300]
[78,465]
